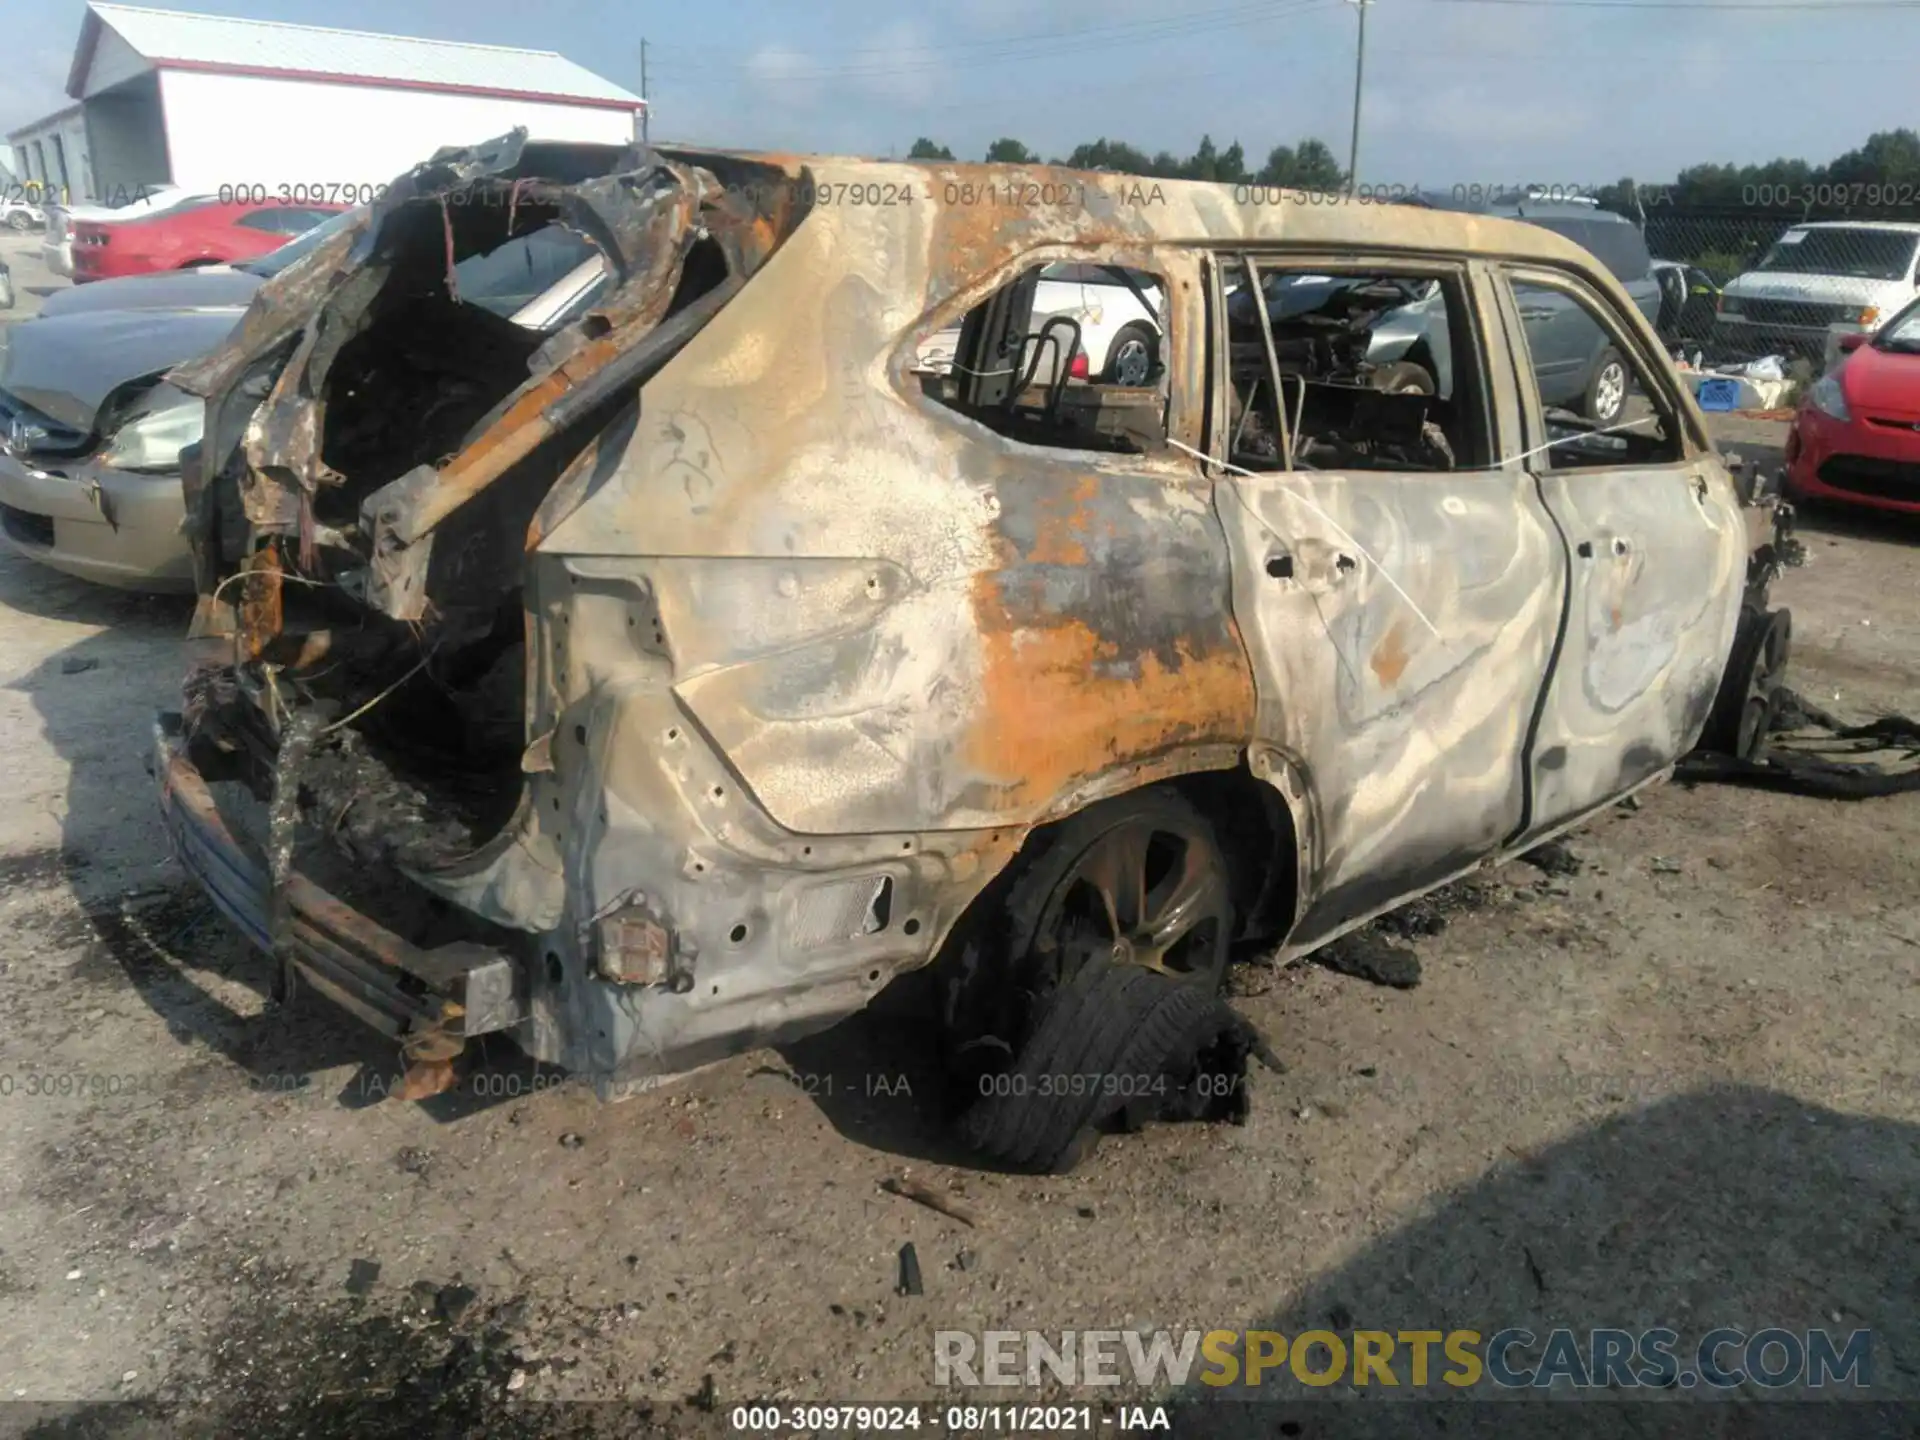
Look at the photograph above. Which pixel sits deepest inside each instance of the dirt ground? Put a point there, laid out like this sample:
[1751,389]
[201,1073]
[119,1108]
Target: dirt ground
[1677,1087]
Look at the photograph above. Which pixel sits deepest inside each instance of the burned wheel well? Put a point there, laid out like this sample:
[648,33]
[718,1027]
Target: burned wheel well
[1134,872]
[1256,829]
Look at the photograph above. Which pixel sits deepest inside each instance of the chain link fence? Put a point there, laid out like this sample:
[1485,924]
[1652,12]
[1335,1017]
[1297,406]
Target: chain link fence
[1741,283]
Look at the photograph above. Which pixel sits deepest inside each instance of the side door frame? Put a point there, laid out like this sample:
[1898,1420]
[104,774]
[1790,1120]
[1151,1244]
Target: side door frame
[1357,699]
[1656,570]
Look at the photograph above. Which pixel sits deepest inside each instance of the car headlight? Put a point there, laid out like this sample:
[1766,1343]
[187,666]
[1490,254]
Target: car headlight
[162,423]
[1869,314]
[1729,304]
[1829,399]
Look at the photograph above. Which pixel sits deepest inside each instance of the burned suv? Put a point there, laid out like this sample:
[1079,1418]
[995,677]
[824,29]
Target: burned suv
[669,683]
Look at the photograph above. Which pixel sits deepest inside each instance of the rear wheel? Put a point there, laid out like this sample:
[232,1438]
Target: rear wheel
[1140,880]
[1139,884]
[19,220]
[1117,1036]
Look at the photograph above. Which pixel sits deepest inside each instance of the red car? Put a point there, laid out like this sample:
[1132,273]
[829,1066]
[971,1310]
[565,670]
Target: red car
[1857,436]
[197,232]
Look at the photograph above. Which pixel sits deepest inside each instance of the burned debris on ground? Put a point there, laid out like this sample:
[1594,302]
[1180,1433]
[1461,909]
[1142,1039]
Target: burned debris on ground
[1810,751]
[1556,857]
[1369,955]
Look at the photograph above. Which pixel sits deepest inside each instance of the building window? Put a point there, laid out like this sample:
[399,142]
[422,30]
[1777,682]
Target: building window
[60,159]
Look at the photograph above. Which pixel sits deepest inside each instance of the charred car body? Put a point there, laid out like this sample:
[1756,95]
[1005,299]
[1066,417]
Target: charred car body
[702,667]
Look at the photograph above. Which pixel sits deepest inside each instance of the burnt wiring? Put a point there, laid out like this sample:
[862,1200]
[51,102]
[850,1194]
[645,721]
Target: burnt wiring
[349,718]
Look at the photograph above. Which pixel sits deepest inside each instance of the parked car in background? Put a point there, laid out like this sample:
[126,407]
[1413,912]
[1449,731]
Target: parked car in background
[91,435]
[1579,367]
[1856,438]
[195,232]
[1104,320]
[1852,273]
[19,214]
[21,202]
[1688,301]
[1115,315]
[56,247]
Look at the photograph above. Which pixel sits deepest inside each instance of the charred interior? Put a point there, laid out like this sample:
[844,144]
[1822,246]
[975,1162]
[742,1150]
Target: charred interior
[369,488]
[1353,372]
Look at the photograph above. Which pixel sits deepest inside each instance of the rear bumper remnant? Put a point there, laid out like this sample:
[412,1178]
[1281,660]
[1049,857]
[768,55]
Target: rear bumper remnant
[423,997]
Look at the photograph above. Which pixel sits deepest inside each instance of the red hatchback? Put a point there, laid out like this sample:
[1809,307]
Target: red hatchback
[1857,436]
[197,232]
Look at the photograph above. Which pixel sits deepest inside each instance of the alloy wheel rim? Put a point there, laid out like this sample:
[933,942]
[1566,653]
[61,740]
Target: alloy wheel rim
[1130,365]
[1147,894]
[1611,392]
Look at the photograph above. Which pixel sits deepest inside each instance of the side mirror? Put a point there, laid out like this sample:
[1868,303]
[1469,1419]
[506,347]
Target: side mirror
[1850,343]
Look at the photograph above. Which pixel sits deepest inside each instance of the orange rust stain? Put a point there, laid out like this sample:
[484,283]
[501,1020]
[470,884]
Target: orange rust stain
[1064,520]
[1389,660]
[260,595]
[1051,720]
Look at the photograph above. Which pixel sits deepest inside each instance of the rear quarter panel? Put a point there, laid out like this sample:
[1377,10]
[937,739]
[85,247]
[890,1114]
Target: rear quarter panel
[970,632]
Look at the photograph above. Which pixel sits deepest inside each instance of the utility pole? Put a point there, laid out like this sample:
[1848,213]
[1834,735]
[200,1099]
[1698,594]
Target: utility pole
[1359,72]
[646,95]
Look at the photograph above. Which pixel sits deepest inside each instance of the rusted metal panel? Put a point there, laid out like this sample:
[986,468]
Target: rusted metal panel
[260,595]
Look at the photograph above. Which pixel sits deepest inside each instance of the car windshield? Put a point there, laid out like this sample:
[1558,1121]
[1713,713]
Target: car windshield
[1858,252]
[1902,332]
[271,264]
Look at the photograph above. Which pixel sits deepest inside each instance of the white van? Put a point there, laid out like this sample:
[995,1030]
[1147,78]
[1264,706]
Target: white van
[1848,273]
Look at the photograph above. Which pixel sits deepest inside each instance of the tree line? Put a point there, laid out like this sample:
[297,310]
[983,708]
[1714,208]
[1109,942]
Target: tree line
[1307,166]
[1883,173]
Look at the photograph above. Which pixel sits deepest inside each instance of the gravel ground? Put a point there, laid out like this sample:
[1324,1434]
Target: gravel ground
[1677,1086]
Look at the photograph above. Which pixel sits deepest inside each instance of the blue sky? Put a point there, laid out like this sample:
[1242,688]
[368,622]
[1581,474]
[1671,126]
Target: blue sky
[1456,92]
